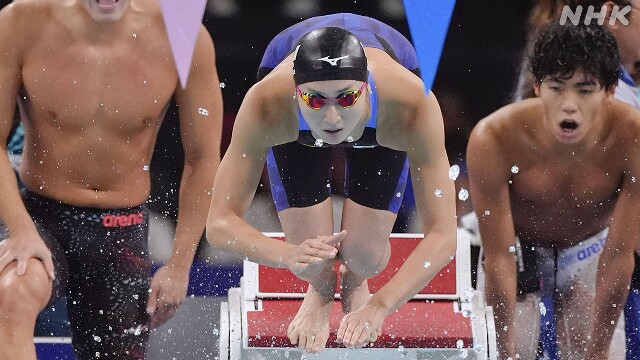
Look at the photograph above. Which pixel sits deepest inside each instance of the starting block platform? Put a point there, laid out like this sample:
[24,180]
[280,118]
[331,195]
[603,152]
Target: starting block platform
[445,320]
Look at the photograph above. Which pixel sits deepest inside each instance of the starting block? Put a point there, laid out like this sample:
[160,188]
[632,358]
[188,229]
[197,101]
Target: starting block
[445,320]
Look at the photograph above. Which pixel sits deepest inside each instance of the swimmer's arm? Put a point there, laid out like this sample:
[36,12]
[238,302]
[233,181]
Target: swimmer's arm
[200,134]
[488,171]
[424,144]
[24,241]
[236,183]
[616,264]
[12,210]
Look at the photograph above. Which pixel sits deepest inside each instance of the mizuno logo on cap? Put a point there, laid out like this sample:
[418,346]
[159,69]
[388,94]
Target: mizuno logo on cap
[334,61]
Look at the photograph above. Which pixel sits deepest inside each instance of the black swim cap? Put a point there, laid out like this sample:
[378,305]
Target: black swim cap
[329,53]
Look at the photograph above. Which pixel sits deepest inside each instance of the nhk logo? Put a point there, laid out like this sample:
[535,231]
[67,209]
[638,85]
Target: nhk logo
[617,14]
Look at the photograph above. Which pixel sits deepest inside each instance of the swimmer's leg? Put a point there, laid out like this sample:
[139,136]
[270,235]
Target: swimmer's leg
[310,327]
[21,299]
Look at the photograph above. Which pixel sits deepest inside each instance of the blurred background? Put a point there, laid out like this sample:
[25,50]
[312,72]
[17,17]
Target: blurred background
[476,76]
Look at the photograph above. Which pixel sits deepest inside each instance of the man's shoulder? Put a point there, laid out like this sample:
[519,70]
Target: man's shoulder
[31,10]
[23,19]
[624,117]
[510,119]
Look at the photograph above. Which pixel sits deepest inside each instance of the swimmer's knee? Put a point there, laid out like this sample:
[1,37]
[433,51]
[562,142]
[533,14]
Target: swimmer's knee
[26,294]
[366,263]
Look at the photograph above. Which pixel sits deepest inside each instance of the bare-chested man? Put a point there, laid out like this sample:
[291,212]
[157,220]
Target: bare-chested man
[552,178]
[93,79]
[319,89]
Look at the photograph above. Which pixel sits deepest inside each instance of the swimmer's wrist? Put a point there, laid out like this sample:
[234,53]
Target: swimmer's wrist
[180,262]
[376,301]
[23,229]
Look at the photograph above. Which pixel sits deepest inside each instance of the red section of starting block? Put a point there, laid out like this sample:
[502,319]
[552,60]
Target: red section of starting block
[417,324]
[278,280]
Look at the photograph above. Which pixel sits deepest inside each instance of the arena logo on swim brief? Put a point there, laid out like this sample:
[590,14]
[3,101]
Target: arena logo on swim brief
[591,250]
[123,220]
[617,14]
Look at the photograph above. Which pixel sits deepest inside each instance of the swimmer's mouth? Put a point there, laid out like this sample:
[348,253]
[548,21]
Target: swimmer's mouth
[568,125]
[334,131]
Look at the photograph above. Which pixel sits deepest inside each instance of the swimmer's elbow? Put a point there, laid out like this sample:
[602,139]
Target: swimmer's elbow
[216,229]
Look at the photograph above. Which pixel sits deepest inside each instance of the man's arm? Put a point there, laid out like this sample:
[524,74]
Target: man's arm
[616,263]
[423,141]
[24,241]
[201,131]
[489,174]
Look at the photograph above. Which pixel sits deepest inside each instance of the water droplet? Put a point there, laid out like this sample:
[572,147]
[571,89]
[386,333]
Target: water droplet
[349,138]
[145,167]
[222,85]
[398,195]
[427,264]
[328,185]
[438,193]
[244,155]
[96,338]
[135,35]
[487,213]
[543,308]
[454,172]
[319,142]
[515,169]
[459,344]
[633,179]
[216,332]
[512,249]
[463,194]
[203,111]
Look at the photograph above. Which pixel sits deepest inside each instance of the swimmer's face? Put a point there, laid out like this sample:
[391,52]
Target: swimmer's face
[572,105]
[332,122]
[105,11]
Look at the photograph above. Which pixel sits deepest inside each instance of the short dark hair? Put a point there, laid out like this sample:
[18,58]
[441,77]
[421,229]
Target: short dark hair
[560,50]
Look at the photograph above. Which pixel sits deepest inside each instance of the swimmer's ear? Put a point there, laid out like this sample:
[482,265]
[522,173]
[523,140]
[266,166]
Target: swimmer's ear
[536,88]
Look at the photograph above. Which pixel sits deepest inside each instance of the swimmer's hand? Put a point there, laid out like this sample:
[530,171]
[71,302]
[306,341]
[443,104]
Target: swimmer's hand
[362,326]
[313,252]
[21,247]
[167,291]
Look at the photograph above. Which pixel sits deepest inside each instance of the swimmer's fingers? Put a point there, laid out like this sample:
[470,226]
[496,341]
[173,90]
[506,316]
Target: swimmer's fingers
[334,240]
[163,313]
[320,250]
[152,303]
[47,260]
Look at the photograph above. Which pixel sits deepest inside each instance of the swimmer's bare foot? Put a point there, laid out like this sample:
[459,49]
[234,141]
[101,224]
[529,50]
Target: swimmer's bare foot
[310,327]
[354,292]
